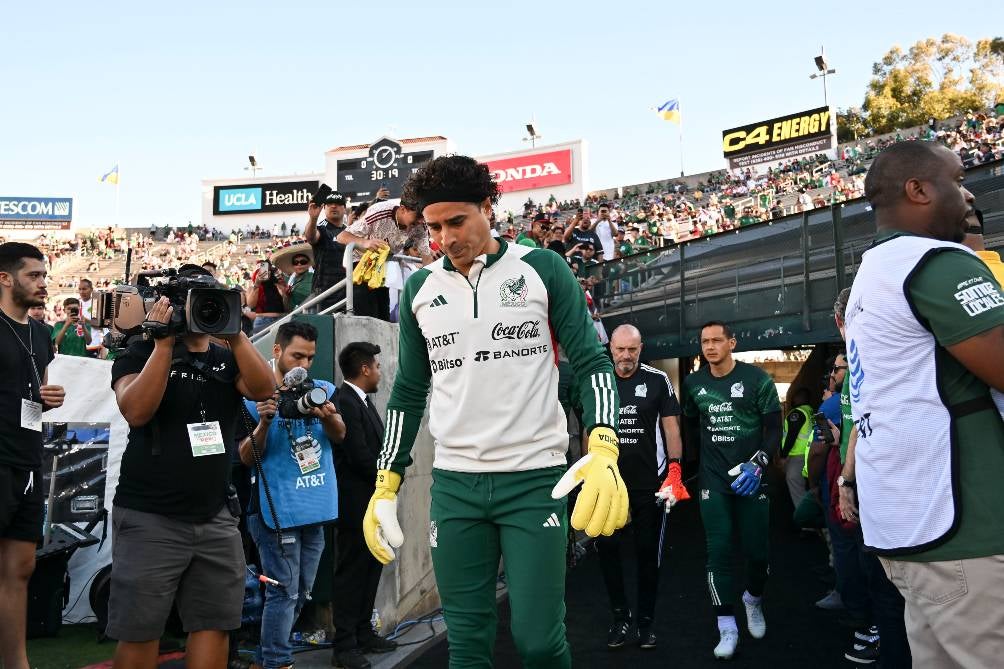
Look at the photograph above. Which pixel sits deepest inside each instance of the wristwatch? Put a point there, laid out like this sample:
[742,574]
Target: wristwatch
[846,483]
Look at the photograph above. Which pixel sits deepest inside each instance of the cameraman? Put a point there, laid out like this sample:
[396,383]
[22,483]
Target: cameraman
[328,251]
[175,533]
[267,295]
[299,471]
[75,334]
[25,353]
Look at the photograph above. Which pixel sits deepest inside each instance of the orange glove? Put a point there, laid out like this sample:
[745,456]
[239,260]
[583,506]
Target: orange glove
[672,489]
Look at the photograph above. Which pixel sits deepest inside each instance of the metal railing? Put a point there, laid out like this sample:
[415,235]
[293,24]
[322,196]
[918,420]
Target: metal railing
[348,261]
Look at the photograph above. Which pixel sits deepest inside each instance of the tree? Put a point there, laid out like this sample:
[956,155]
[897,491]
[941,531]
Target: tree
[933,79]
[851,124]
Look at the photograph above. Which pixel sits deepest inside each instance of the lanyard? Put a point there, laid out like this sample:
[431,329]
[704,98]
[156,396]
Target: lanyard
[29,350]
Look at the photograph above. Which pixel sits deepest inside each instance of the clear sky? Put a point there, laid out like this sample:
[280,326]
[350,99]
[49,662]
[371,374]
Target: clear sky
[179,91]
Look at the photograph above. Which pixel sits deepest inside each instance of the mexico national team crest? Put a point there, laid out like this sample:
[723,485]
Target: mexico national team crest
[641,390]
[738,389]
[513,292]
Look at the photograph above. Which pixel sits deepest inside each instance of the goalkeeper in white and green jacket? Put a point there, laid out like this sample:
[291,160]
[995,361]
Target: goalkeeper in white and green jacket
[481,326]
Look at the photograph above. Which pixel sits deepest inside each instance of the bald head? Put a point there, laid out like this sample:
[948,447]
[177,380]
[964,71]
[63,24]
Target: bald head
[625,346]
[895,165]
[917,187]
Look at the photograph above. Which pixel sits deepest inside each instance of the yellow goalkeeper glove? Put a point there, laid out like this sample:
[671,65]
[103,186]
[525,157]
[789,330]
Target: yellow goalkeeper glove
[379,272]
[380,527]
[602,506]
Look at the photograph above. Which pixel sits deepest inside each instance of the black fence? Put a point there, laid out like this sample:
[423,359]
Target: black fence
[774,282]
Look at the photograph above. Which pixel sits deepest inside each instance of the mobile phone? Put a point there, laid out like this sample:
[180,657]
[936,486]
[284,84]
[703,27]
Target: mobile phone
[322,193]
[824,427]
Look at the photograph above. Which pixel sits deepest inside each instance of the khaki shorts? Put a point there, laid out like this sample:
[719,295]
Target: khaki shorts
[157,561]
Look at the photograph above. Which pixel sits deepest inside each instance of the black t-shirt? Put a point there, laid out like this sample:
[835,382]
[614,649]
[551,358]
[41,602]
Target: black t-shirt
[21,448]
[645,397]
[175,483]
[328,255]
[580,236]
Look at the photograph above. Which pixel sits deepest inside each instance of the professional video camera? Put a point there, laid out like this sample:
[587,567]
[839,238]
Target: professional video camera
[201,305]
[299,395]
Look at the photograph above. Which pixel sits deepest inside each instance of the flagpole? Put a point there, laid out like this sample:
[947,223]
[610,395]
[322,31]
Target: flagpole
[680,124]
[118,180]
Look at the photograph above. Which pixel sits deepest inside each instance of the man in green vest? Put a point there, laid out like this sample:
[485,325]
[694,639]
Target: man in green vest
[796,437]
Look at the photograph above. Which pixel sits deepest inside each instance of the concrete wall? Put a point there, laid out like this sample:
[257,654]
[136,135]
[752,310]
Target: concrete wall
[408,586]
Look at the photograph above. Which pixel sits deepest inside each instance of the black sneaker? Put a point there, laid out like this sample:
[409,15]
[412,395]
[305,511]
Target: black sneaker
[863,652]
[350,659]
[646,638]
[377,644]
[617,635]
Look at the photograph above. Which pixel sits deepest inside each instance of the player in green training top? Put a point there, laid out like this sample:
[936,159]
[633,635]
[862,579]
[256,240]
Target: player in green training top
[734,408]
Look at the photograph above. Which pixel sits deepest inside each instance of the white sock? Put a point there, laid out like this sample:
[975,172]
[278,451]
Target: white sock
[727,623]
[750,599]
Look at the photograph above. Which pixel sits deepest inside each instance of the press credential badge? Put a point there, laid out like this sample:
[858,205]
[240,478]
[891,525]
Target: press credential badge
[31,415]
[206,438]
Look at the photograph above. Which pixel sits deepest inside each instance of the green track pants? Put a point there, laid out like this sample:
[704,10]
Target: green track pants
[475,520]
[720,513]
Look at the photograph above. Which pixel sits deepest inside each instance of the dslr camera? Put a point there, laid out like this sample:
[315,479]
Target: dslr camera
[298,395]
[201,306]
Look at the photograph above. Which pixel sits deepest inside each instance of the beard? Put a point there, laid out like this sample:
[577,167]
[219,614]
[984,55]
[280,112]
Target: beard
[25,298]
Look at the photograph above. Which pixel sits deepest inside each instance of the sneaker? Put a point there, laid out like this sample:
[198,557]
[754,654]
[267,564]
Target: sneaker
[377,644]
[350,659]
[869,635]
[863,652]
[831,602]
[617,635]
[755,621]
[646,638]
[726,647]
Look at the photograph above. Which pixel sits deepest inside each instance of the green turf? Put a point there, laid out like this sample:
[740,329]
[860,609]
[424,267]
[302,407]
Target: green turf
[75,647]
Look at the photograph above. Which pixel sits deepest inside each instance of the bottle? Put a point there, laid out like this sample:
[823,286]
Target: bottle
[375,621]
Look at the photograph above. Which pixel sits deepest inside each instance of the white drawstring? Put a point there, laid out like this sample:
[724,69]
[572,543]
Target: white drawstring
[31,482]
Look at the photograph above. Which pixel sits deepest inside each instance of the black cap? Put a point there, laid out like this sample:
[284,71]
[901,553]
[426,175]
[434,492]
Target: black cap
[540,218]
[334,197]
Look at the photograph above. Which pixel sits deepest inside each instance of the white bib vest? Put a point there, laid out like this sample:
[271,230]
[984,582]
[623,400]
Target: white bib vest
[904,459]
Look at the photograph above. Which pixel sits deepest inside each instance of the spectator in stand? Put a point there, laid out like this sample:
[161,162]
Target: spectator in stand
[390,223]
[295,261]
[538,232]
[267,295]
[74,336]
[328,250]
[580,231]
[605,229]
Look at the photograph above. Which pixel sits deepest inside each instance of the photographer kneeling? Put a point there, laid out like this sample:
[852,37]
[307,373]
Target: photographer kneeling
[295,452]
[175,531]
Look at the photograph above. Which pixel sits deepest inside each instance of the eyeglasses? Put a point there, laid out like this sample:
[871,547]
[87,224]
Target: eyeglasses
[300,261]
[839,367]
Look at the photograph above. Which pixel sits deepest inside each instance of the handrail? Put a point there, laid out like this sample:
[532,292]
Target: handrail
[310,302]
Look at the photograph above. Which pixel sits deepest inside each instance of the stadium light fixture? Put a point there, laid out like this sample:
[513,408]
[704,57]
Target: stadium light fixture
[823,70]
[254,166]
[533,135]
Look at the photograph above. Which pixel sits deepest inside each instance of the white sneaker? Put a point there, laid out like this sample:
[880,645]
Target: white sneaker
[726,647]
[755,621]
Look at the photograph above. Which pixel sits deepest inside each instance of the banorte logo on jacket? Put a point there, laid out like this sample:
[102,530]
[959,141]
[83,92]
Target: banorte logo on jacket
[513,292]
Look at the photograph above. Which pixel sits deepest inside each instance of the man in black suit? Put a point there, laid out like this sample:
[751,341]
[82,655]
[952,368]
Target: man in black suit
[357,573]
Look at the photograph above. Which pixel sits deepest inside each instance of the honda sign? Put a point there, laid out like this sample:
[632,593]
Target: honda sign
[536,170]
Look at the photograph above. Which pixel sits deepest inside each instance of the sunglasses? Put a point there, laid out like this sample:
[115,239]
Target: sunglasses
[300,261]
[837,368]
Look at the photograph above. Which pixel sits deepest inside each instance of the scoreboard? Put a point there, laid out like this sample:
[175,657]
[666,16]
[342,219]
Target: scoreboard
[385,165]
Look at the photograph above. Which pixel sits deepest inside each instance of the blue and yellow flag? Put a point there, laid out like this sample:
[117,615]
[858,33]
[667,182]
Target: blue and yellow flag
[670,110]
[111,177]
